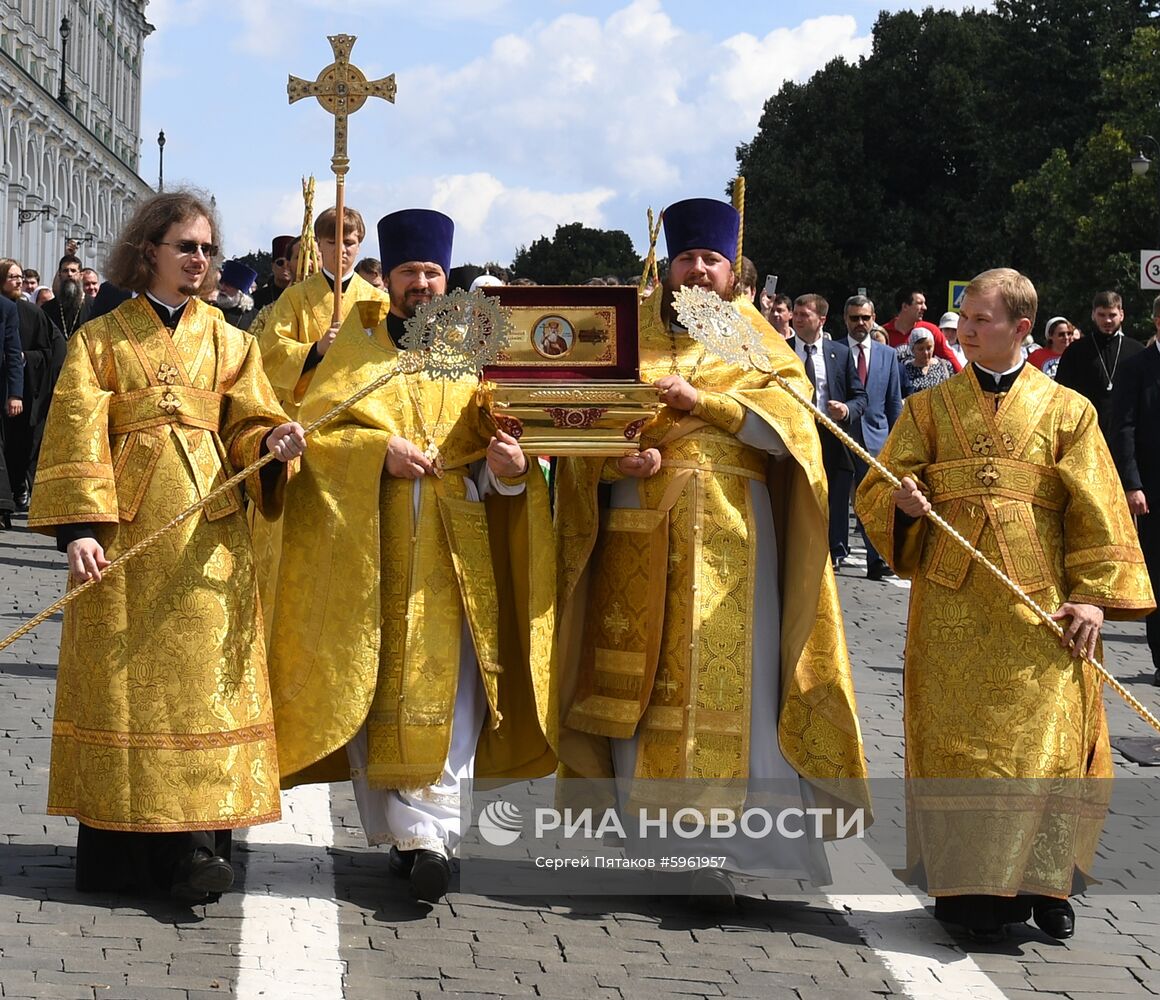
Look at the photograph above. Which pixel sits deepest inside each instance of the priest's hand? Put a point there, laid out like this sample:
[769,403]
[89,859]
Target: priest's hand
[910,499]
[1137,502]
[676,392]
[15,406]
[86,559]
[641,465]
[504,456]
[405,460]
[1080,637]
[324,342]
[286,441]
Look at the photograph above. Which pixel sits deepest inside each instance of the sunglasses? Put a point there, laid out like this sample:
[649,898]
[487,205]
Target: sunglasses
[191,247]
[863,319]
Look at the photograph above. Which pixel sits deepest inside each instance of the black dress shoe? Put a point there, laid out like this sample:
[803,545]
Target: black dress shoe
[200,875]
[712,889]
[400,863]
[22,500]
[1156,678]
[879,572]
[430,875]
[1055,918]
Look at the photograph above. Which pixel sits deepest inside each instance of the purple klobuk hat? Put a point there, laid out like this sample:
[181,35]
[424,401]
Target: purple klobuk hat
[280,246]
[701,224]
[415,234]
[237,275]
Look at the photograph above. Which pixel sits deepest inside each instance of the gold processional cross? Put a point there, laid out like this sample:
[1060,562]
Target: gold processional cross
[341,89]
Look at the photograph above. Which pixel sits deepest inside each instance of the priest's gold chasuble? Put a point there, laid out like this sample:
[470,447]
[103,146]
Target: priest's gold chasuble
[302,314]
[996,711]
[163,719]
[378,574]
[658,603]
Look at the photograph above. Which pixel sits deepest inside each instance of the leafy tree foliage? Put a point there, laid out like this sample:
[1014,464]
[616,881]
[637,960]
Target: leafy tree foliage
[575,254]
[950,149]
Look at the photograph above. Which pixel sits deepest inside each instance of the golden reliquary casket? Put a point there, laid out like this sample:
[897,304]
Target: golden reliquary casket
[568,381]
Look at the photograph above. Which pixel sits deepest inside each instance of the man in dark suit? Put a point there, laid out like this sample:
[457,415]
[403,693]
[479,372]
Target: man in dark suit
[1135,415]
[878,370]
[839,393]
[12,383]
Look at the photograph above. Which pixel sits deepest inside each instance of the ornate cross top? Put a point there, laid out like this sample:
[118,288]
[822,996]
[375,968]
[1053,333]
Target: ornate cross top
[341,89]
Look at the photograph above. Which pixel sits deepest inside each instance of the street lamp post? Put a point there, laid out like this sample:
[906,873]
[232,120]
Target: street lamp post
[161,160]
[1141,164]
[65,28]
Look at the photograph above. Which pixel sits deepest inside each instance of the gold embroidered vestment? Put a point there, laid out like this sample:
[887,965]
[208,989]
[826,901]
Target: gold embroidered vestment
[163,718]
[657,603]
[372,595]
[995,709]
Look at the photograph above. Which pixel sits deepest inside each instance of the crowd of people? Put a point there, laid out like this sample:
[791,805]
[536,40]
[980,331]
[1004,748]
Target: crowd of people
[404,602]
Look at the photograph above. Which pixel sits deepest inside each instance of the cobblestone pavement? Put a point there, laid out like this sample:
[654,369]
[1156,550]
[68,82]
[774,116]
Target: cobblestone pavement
[319,916]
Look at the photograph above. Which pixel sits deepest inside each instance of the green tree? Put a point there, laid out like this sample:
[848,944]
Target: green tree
[902,169]
[575,254]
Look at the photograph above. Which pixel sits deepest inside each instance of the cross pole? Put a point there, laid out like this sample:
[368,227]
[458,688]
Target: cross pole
[341,89]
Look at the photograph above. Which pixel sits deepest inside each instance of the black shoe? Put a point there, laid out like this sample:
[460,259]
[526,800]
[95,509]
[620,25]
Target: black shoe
[430,875]
[200,875]
[836,562]
[1156,678]
[879,572]
[1055,918]
[400,863]
[712,889]
[22,500]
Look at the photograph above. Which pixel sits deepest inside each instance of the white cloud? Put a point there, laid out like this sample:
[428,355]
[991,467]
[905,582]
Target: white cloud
[558,117]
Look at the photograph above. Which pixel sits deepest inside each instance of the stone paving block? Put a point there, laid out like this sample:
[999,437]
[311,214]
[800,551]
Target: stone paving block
[1073,986]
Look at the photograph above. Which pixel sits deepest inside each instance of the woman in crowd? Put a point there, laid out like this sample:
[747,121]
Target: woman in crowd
[922,369]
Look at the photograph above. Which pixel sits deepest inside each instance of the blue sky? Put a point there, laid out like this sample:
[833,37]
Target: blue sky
[512,116]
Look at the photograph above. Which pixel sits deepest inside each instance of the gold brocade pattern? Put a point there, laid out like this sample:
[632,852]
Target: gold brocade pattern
[989,693]
[374,591]
[694,719]
[163,718]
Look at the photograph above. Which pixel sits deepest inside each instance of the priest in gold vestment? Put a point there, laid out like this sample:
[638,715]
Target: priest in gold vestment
[703,653]
[415,591]
[294,337]
[163,731]
[1007,753]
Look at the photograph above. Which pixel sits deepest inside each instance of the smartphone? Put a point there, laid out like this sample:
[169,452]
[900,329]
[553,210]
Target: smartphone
[770,285]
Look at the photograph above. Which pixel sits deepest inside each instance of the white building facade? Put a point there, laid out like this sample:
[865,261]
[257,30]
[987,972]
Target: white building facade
[68,169]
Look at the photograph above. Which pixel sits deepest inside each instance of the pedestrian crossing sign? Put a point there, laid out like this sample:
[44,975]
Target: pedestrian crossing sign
[955,291]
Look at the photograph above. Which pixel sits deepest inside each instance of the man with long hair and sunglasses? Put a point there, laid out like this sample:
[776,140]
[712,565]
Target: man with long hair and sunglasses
[163,734]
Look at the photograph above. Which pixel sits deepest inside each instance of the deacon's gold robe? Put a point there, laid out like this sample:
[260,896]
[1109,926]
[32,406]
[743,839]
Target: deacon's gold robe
[302,314]
[299,317]
[657,603]
[371,597]
[163,719]
[989,692]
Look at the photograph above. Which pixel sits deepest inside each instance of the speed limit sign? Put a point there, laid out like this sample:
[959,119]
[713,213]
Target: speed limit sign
[1150,269]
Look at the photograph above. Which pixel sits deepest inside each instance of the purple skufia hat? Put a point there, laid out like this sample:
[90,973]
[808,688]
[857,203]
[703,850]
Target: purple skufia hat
[237,275]
[701,224]
[415,234]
